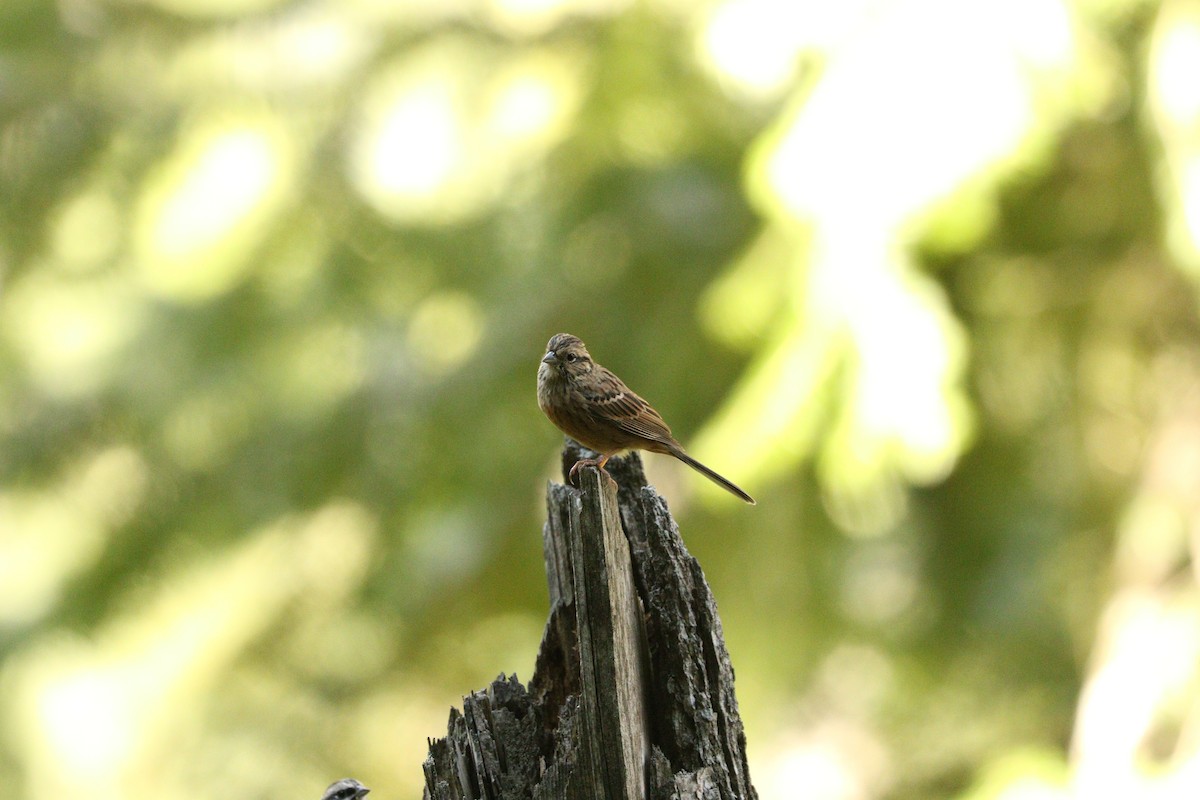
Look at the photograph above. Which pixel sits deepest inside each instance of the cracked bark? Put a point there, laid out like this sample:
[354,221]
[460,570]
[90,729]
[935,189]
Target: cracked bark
[632,696]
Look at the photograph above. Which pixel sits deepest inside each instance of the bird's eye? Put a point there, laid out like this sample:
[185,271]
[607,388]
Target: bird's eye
[572,357]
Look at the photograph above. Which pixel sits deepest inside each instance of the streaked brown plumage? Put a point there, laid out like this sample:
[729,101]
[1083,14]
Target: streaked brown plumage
[595,408]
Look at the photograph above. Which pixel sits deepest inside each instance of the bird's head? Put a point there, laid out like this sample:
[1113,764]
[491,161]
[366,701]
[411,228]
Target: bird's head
[566,357]
[345,789]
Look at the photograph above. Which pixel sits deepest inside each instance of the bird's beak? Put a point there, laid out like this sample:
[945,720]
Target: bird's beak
[549,358]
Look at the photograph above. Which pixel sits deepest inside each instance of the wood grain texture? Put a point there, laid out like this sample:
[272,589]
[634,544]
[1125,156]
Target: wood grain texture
[632,697]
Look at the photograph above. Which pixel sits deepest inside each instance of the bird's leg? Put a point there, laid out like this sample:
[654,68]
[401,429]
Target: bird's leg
[598,463]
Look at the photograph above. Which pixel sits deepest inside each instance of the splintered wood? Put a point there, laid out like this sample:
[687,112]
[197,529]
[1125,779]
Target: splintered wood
[632,696]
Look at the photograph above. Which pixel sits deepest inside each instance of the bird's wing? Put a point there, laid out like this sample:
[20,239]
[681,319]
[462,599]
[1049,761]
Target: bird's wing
[610,399]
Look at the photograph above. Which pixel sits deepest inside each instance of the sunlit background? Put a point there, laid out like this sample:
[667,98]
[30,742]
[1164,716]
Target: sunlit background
[921,275]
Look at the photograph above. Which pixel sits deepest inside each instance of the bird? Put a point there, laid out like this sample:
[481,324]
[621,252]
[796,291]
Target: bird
[345,789]
[595,408]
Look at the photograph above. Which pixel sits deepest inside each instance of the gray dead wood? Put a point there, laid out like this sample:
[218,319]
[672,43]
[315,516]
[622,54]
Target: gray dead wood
[632,696]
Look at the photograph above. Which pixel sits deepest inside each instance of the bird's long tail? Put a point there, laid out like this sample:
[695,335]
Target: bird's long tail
[720,480]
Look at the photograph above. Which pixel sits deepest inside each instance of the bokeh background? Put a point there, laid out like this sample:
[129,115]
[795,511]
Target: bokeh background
[921,275]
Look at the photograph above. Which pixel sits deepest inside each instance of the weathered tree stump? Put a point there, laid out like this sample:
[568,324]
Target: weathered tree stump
[632,696]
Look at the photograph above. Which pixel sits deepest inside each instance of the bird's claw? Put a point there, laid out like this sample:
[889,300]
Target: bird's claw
[583,462]
[598,463]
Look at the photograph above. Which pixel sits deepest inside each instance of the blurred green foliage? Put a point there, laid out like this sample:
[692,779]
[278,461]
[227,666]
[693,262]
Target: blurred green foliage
[920,275]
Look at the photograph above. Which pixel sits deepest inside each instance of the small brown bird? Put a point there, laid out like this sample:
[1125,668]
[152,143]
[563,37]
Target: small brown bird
[595,408]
